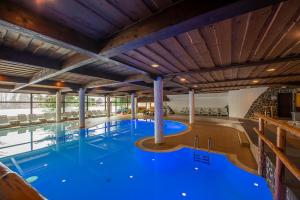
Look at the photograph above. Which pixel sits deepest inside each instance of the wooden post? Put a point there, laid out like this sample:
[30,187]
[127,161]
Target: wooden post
[108,109]
[261,150]
[279,193]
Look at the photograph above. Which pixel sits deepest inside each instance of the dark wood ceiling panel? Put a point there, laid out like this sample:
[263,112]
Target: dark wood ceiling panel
[95,19]
[159,49]
[283,21]
[256,23]
[174,46]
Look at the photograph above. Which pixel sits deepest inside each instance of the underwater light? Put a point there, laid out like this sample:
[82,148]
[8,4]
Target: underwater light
[255,184]
[45,165]
[196,168]
[153,159]
[101,163]
[131,177]
[183,194]
[64,180]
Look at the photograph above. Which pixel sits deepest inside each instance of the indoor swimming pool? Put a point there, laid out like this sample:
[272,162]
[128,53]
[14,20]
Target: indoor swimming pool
[102,162]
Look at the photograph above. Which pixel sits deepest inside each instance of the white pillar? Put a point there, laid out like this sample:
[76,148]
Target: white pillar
[58,106]
[108,109]
[132,106]
[81,94]
[192,106]
[158,111]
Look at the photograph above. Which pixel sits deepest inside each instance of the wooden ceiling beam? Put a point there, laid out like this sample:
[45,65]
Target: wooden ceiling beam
[292,83]
[50,83]
[183,16]
[245,79]
[17,18]
[236,66]
[30,89]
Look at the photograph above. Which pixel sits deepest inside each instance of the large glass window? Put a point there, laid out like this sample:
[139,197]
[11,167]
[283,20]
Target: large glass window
[12,104]
[43,103]
[71,103]
[96,103]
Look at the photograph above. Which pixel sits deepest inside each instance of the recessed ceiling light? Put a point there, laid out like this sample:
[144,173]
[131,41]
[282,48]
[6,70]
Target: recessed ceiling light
[271,70]
[255,81]
[195,86]
[182,79]
[154,65]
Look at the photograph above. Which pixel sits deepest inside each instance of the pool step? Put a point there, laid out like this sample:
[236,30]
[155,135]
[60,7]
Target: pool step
[201,158]
[243,139]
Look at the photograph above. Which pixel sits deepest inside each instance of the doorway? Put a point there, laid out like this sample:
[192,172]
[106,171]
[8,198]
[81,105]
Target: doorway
[285,105]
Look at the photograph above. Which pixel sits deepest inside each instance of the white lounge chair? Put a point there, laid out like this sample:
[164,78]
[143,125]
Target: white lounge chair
[214,111]
[197,111]
[223,111]
[205,111]
[33,119]
[50,117]
[68,116]
[23,120]
[4,121]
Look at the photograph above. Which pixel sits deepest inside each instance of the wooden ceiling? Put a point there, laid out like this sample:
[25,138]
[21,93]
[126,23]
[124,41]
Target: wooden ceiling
[119,47]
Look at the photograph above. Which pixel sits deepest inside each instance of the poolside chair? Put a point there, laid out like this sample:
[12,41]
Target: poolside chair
[205,111]
[33,119]
[50,117]
[4,121]
[197,111]
[69,116]
[214,111]
[23,120]
[75,114]
[223,111]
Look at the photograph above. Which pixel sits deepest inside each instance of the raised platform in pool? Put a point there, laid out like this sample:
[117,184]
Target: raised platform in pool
[103,162]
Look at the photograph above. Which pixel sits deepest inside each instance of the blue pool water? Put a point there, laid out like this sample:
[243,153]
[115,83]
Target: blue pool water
[103,163]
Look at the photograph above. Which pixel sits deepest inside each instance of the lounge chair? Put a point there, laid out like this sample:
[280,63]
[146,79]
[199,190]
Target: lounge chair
[214,111]
[197,111]
[223,111]
[33,119]
[4,121]
[50,117]
[75,115]
[205,111]
[68,116]
[23,120]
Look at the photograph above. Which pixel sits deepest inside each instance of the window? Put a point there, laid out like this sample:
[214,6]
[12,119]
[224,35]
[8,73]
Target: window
[43,103]
[96,103]
[12,104]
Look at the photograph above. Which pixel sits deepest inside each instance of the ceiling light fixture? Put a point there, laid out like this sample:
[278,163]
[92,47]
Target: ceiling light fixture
[255,81]
[155,65]
[182,79]
[195,86]
[271,70]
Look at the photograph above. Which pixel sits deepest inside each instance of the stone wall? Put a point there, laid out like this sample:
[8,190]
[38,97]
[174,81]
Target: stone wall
[265,99]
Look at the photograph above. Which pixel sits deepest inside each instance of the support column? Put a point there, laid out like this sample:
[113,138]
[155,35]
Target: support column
[31,103]
[158,111]
[192,106]
[81,94]
[261,149]
[58,106]
[132,106]
[108,106]
[279,169]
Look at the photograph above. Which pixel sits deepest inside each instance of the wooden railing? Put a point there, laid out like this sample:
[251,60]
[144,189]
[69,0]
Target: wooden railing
[278,149]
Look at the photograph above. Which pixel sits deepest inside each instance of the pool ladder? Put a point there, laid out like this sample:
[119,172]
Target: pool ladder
[197,156]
